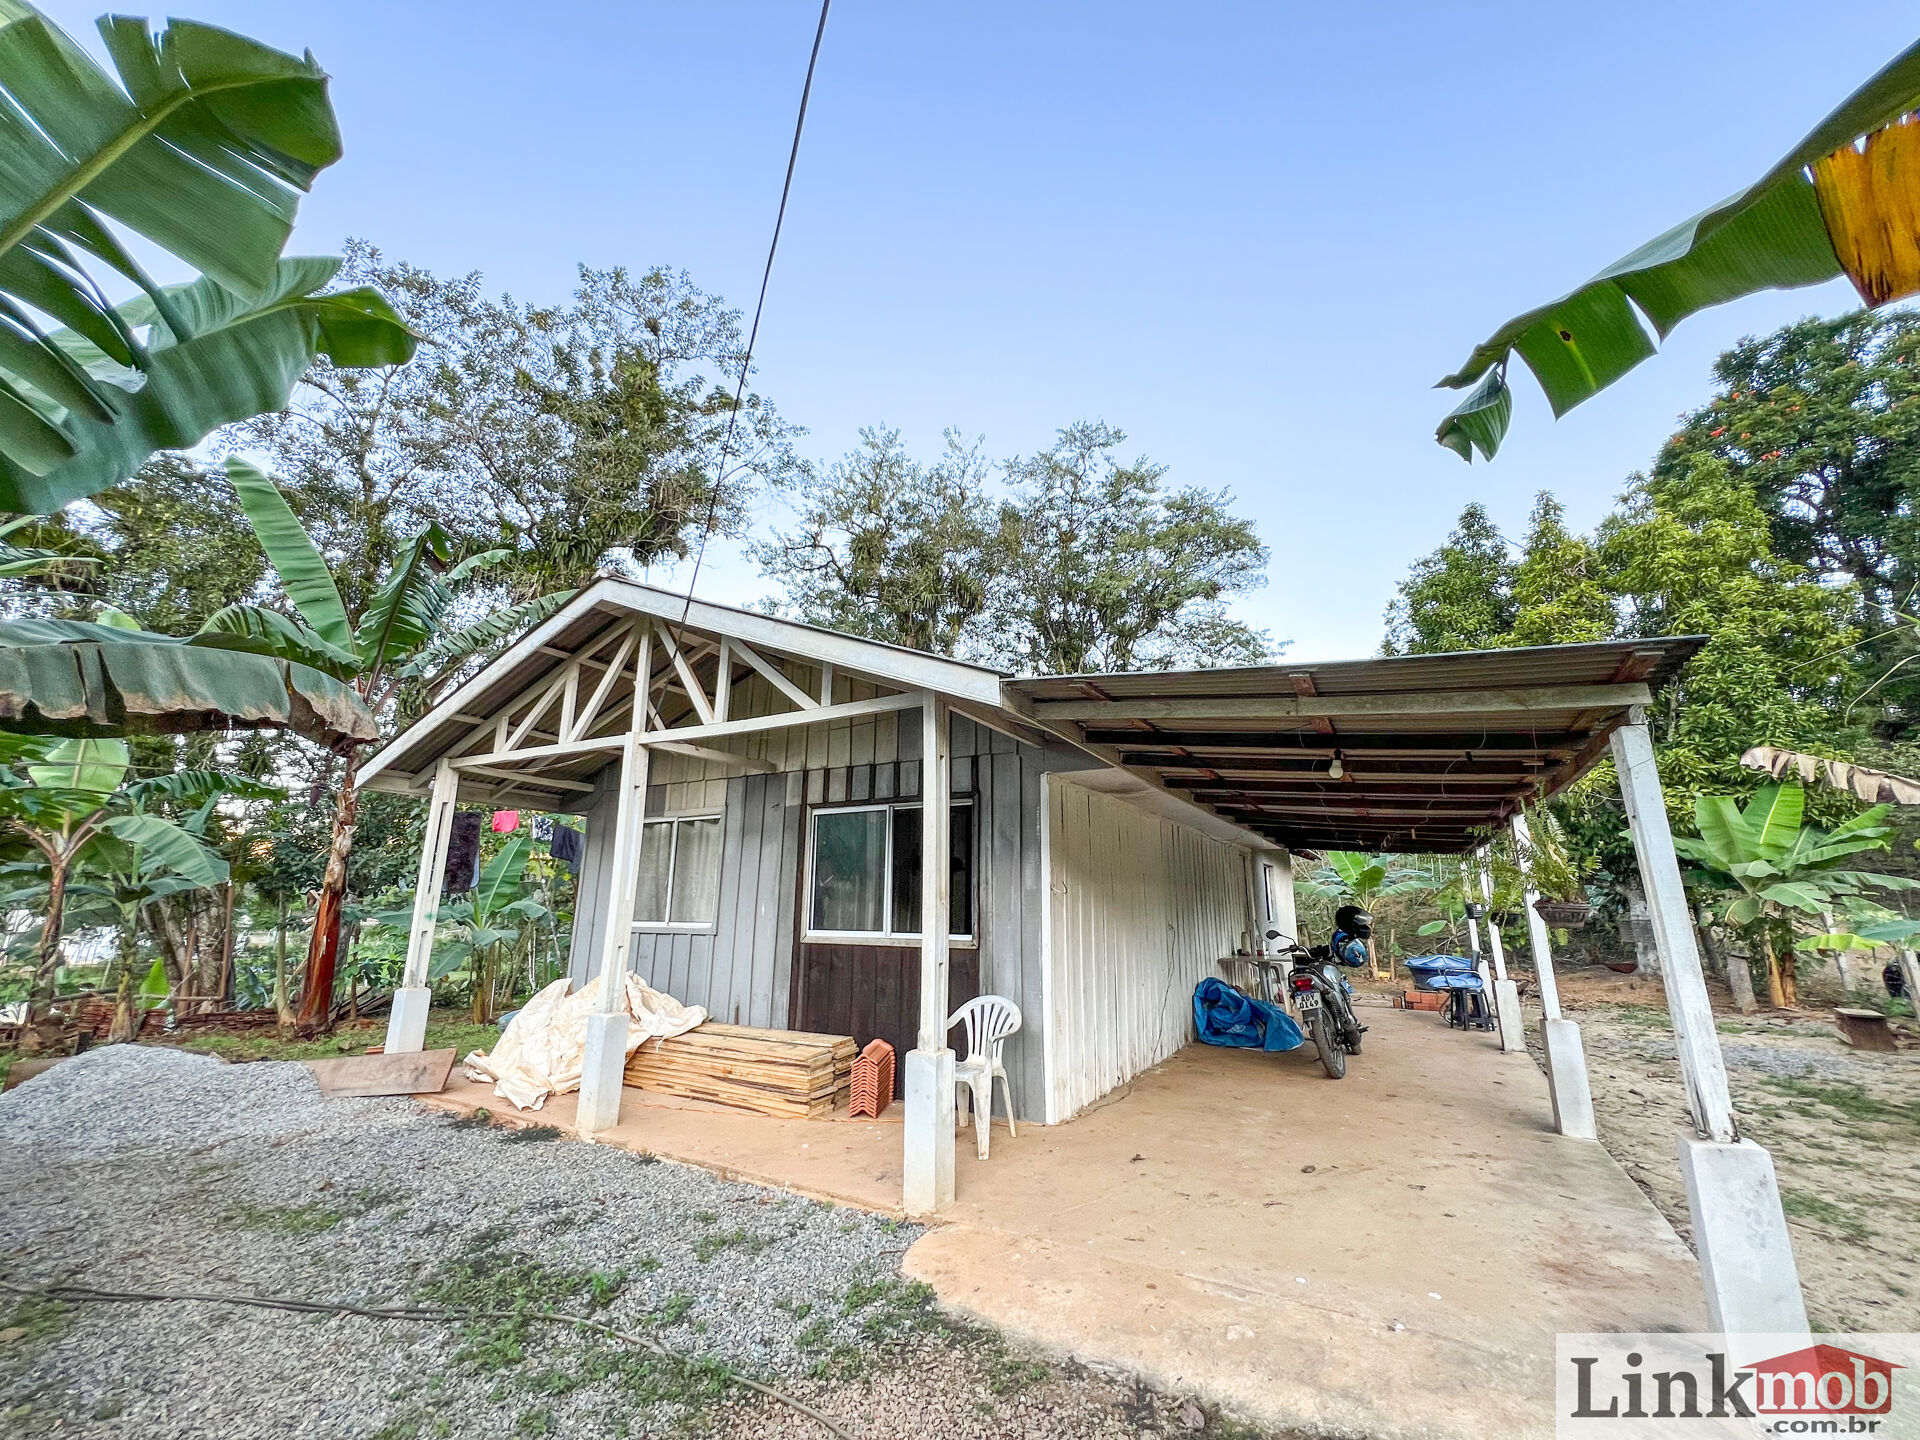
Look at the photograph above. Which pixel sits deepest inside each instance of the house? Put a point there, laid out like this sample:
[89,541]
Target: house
[760,797]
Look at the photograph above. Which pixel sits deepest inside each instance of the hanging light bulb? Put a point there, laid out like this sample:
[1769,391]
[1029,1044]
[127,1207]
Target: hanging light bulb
[1336,770]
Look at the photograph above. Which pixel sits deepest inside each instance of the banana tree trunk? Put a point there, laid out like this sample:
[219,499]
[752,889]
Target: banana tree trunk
[48,967]
[1776,988]
[323,950]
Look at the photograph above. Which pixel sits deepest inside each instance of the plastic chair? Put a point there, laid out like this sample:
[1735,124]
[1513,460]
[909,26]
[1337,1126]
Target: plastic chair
[989,1019]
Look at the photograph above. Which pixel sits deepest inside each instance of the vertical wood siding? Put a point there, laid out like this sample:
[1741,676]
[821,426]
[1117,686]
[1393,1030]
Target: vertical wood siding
[1142,910]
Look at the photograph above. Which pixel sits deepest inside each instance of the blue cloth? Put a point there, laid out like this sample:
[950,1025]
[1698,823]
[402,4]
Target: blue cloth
[1224,1016]
[1448,982]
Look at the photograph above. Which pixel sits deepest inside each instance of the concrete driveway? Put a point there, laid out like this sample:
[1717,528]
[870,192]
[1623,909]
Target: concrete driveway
[1389,1255]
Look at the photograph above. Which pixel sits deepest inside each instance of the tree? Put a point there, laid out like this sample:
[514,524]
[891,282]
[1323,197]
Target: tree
[570,437]
[73,793]
[1831,206]
[1691,554]
[397,641]
[1820,420]
[1105,568]
[1779,869]
[892,549]
[200,146]
[1559,587]
[1458,598]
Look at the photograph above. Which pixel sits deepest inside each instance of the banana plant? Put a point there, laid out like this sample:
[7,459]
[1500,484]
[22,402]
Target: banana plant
[73,797]
[1782,875]
[200,143]
[400,640]
[503,913]
[1831,206]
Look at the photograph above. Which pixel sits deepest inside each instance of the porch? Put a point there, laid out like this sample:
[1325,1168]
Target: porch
[1235,1224]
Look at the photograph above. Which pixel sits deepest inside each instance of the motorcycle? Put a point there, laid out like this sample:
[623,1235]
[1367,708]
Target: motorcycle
[1321,995]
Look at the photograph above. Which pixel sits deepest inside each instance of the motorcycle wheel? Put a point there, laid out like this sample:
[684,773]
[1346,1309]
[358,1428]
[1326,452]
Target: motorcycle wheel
[1353,1041]
[1333,1059]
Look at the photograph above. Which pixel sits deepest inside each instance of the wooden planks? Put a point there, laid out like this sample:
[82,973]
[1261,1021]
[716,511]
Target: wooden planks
[787,1073]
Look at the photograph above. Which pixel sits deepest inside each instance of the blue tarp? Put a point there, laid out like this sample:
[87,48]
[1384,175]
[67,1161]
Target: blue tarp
[1444,972]
[1224,1016]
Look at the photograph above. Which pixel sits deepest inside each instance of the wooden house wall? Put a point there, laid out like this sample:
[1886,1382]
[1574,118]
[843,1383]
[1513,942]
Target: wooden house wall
[744,969]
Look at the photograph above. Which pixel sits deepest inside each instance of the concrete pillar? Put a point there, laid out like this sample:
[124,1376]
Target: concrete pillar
[603,1065]
[1910,971]
[927,1162]
[1739,1229]
[1506,994]
[407,1020]
[1567,1079]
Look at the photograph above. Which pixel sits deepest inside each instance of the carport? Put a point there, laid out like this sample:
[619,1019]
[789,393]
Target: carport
[1434,754]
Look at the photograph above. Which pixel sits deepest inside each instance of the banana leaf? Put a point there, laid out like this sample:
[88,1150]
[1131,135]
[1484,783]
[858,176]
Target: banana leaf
[165,845]
[200,142]
[232,359]
[70,677]
[302,568]
[1771,235]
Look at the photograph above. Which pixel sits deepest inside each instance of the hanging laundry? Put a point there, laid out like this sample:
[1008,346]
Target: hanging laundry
[566,846]
[505,821]
[463,853]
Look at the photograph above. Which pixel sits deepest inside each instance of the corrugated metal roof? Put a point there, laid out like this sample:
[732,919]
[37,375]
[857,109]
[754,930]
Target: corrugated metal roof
[1436,751]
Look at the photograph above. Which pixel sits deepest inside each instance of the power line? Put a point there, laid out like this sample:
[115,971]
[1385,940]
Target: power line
[753,334]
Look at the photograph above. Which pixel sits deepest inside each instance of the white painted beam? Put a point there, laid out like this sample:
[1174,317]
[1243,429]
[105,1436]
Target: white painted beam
[927,1160]
[722,757]
[776,677]
[1283,707]
[407,1019]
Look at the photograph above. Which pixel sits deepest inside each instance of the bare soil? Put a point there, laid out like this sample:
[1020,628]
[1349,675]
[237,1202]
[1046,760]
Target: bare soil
[1843,1127]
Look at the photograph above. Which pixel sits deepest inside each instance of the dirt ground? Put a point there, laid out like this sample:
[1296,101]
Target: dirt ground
[1843,1126]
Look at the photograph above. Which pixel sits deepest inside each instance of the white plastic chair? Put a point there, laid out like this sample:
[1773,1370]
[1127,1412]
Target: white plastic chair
[989,1019]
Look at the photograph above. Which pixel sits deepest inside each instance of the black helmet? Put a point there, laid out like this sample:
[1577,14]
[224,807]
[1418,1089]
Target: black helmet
[1355,921]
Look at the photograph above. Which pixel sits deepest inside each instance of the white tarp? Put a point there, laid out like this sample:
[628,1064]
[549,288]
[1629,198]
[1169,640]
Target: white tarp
[542,1050]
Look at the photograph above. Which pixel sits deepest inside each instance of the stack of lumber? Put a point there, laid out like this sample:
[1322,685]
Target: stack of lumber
[786,1073]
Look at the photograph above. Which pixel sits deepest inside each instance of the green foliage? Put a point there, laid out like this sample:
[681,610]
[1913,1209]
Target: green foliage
[1105,568]
[891,549]
[1458,598]
[200,145]
[1771,234]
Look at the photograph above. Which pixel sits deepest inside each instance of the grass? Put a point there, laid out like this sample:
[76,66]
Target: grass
[483,1276]
[1849,1100]
[36,1321]
[1802,1206]
[446,1030]
[297,1222]
[708,1246]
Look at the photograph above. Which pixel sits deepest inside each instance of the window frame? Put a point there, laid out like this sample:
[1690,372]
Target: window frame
[888,937]
[681,927]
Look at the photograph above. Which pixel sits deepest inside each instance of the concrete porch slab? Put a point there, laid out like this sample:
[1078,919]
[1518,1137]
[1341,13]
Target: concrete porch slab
[1389,1255]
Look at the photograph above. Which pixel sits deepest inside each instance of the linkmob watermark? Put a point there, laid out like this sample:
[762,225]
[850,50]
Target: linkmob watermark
[1647,1387]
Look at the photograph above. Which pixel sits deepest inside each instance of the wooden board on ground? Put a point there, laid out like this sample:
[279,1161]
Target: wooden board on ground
[787,1073]
[422,1072]
[25,1070]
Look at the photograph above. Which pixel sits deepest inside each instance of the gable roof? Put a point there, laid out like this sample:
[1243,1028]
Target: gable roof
[1434,751]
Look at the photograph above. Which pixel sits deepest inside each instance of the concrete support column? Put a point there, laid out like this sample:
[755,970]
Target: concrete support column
[407,1020]
[927,1164]
[1567,1079]
[603,1066]
[1506,994]
[1739,1229]
[1910,971]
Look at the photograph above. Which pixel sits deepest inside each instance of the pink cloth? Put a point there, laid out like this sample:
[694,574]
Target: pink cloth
[505,820]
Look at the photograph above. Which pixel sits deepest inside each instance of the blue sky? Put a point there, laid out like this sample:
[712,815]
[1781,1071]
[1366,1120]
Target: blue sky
[1252,236]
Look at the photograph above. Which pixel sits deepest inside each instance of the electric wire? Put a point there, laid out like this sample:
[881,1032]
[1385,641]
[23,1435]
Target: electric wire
[753,332]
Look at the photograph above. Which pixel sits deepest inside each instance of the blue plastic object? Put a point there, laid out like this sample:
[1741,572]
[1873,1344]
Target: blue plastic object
[1440,965]
[1448,982]
[1224,1016]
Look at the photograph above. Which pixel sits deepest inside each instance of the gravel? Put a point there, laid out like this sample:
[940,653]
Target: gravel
[150,1169]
